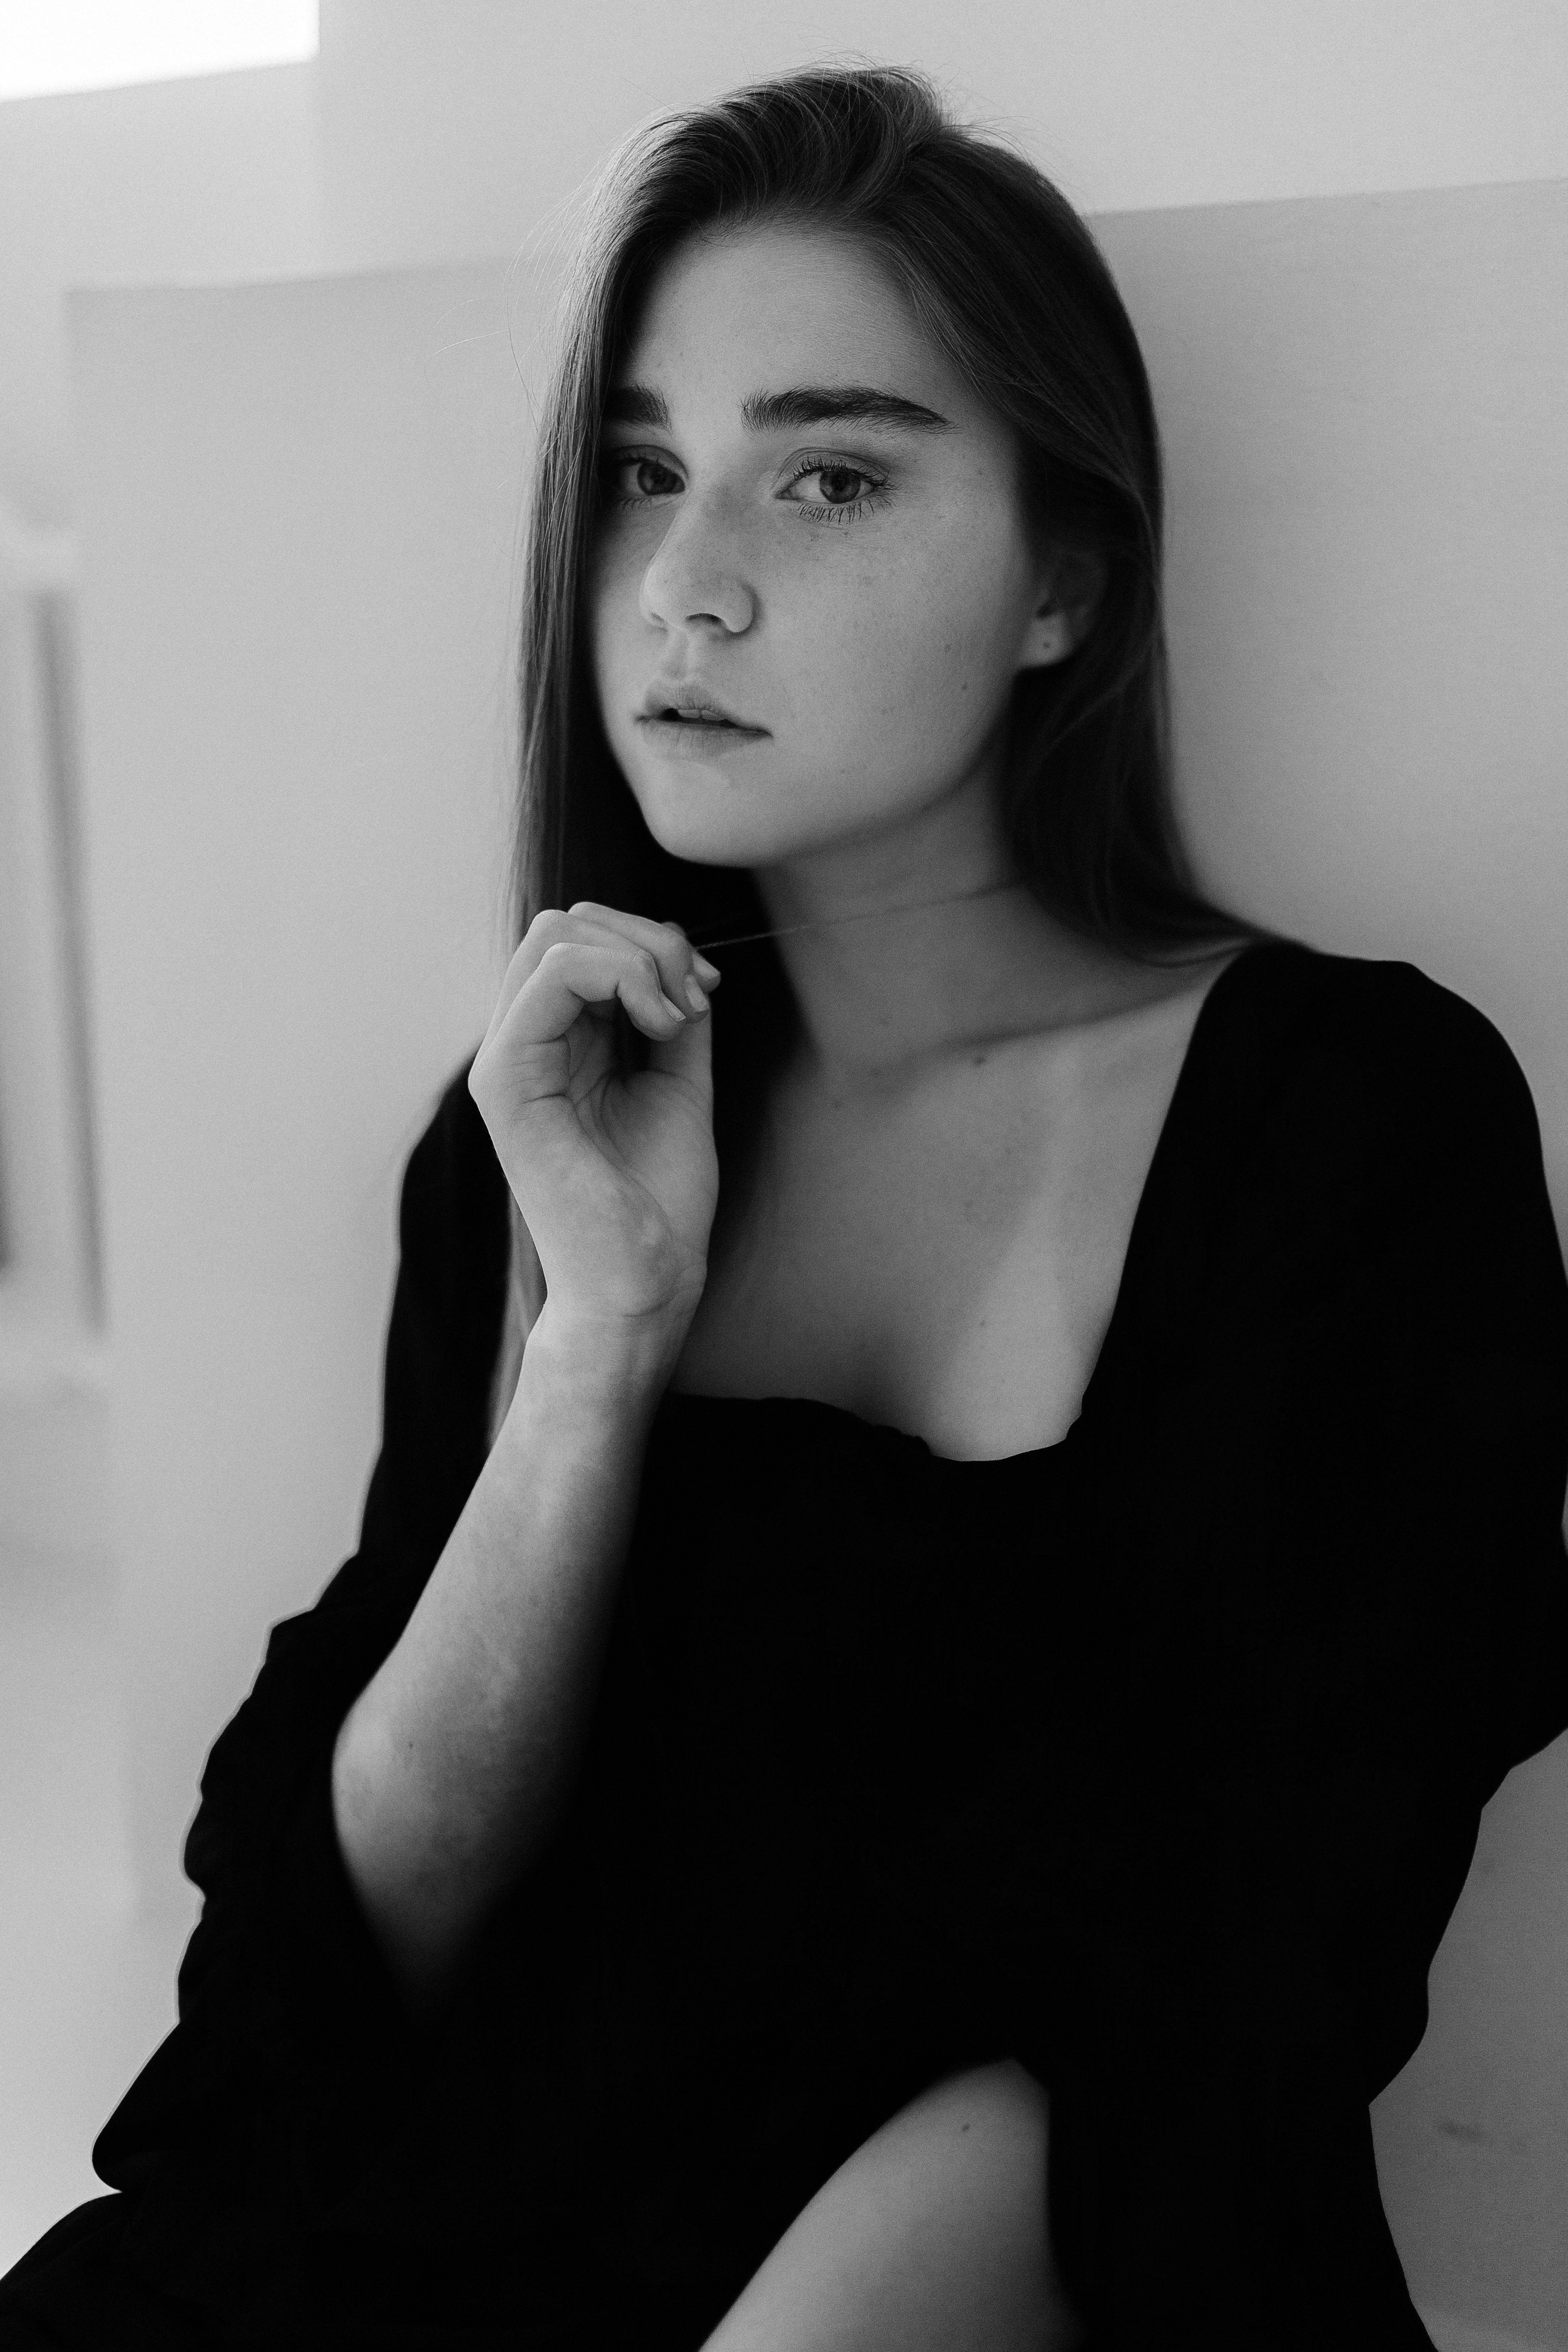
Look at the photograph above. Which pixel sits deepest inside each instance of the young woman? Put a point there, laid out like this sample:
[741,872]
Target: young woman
[966,1519]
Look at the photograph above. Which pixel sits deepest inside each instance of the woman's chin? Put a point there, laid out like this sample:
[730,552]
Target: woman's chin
[701,815]
[685,828]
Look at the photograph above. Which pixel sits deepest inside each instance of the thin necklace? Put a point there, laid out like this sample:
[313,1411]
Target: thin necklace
[828,922]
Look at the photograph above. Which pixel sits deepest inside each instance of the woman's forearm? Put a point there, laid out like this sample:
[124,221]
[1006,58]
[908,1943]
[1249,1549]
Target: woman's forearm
[450,1767]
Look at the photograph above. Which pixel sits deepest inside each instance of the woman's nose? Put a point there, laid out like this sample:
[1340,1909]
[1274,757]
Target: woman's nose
[698,573]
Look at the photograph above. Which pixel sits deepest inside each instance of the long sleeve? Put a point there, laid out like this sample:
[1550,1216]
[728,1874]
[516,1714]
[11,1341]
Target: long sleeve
[292,2056]
[1340,1593]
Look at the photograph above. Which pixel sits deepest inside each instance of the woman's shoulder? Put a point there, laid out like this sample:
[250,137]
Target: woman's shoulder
[1360,1004]
[1352,1113]
[1365,1044]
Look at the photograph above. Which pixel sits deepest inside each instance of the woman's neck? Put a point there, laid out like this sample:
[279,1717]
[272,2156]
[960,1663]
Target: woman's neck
[903,956]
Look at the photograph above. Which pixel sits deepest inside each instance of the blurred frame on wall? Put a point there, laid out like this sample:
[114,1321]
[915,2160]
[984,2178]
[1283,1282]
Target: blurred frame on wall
[51,1285]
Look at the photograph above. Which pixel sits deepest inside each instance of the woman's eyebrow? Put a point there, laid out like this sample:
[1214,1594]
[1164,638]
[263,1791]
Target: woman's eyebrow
[780,412]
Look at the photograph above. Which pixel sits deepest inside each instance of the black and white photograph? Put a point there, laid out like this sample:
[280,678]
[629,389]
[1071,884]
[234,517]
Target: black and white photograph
[784,1172]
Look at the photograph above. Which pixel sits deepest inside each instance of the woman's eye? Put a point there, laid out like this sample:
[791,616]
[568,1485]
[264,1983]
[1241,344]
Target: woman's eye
[633,478]
[842,490]
[841,485]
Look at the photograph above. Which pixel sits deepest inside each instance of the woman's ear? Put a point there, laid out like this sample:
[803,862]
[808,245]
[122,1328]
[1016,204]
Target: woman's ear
[1071,586]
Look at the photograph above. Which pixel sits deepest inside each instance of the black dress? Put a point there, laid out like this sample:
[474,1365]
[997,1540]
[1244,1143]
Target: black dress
[1154,1759]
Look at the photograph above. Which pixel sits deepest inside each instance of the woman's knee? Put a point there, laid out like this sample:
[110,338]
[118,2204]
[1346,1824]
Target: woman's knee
[933,2233]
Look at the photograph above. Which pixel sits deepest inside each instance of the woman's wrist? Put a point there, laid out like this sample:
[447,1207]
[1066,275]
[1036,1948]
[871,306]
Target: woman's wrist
[589,1360]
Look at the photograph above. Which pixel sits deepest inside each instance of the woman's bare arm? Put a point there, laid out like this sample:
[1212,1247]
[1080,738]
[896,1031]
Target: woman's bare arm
[450,1767]
[931,2238]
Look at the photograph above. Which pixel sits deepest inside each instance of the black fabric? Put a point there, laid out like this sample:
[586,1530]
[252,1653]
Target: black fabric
[1154,1759]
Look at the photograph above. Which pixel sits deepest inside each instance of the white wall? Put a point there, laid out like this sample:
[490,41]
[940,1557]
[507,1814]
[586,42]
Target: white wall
[204,179]
[437,129]
[298,519]
[462,127]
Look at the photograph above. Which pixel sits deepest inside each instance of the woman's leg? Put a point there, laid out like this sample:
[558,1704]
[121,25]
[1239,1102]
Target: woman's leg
[931,2238]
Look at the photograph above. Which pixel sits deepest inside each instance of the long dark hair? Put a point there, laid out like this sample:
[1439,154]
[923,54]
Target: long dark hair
[1009,284]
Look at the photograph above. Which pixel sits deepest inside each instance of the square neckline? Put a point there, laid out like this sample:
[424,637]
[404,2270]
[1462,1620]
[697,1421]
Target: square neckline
[1157,1181]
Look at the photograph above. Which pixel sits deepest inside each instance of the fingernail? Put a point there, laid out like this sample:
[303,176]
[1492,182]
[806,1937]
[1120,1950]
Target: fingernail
[670,1006]
[694,995]
[709,970]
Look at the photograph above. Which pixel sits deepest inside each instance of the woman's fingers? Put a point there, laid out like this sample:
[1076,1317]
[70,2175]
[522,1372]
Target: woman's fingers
[676,961]
[575,973]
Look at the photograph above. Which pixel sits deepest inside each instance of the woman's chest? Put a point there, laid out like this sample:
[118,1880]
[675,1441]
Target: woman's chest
[946,1261]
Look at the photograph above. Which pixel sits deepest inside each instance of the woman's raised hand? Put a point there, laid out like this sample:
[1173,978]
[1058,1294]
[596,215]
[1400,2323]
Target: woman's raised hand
[617,1178]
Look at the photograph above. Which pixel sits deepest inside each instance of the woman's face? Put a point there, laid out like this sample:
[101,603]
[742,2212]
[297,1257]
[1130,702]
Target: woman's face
[809,521]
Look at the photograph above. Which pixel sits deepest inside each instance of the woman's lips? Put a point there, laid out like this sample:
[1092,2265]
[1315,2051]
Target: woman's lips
[700,735]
